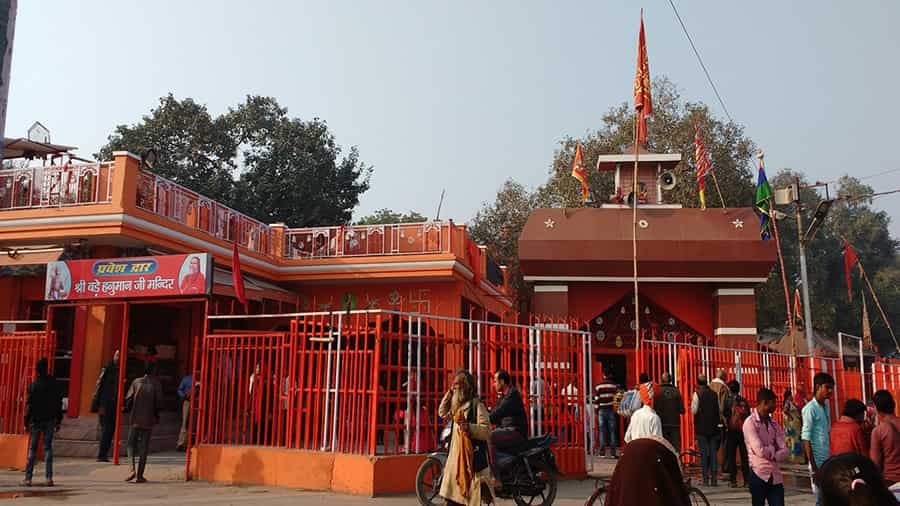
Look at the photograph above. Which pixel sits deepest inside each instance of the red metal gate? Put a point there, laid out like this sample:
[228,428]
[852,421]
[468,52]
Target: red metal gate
[369,382]
[19,352]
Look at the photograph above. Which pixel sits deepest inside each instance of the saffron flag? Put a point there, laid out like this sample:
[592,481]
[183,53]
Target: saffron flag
[580,173]
[237,279]
[643,105]
[763,203]
[850,260]
[798,306]
[704,167]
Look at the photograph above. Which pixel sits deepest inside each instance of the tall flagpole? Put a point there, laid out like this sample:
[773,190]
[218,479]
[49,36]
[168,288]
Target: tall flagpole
[634,229]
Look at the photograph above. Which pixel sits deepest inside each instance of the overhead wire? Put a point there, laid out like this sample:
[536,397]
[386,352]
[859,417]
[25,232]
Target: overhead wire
[700,59]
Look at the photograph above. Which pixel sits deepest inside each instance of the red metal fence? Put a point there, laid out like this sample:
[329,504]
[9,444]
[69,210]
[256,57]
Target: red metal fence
[753,369]
[370,382]
[19,352]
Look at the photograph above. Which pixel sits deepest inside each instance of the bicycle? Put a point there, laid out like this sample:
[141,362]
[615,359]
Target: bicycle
[695,495]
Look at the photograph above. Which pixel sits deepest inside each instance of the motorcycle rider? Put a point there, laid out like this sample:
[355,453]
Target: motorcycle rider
[509,413]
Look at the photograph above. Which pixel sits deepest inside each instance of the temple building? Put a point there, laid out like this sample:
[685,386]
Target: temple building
[697,268]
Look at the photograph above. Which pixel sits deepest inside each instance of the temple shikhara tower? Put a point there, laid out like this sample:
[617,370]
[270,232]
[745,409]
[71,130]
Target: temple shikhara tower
[697,268]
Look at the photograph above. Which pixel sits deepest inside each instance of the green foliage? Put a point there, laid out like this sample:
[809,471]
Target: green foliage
[386,216]
[868,233]
[291,170]
[499,223]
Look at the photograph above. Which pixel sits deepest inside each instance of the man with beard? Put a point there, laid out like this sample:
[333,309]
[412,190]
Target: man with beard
[466,476]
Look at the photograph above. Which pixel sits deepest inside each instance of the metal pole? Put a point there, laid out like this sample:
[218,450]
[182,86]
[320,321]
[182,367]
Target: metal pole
[862,372]
[804,280]
[8,11]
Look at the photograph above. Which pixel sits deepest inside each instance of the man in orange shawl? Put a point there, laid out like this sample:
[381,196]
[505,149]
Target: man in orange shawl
[462,480]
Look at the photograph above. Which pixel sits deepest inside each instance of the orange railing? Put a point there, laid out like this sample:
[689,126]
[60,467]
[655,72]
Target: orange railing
[19,352]
[179,204]
[56,186]
[369,382]
[369,240]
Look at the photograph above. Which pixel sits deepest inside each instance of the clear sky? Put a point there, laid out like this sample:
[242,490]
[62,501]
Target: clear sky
[465,94]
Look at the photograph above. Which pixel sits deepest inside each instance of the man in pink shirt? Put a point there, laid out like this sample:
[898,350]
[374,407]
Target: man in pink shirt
[766,449]
[885,448]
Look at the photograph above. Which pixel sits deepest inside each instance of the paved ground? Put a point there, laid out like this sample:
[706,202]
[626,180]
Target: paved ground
[84,482]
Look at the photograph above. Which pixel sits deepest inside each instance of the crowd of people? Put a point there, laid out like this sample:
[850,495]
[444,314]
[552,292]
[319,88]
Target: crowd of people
[854,460]
[44,414]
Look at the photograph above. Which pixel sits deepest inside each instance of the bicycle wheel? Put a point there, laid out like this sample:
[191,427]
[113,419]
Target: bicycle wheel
[697,497]
[598,497]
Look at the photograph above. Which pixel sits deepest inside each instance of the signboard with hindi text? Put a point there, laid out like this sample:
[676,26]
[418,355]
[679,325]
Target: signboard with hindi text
[117,278]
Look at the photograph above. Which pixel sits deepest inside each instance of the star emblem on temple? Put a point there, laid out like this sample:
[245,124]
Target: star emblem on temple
[549,223]
[738,223]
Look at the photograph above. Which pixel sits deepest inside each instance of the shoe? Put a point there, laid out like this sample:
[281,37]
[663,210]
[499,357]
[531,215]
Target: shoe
[50,483]
[130,477]
[615,456]
[102,459]
[714,482]
[26,483]
[179,448]
[733,484]
[140,480]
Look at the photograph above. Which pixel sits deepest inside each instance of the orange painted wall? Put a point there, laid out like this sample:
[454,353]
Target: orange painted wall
[13,451]
[427,297]
[345,473]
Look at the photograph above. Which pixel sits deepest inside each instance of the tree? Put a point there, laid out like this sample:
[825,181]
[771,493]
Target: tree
[500,223]
[291,170]
[192,148]
[671,130]
[386,216]
[868,233]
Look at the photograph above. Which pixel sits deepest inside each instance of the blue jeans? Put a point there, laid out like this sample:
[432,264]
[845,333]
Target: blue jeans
[709,446]
[607,422]
[47,429]
[765,491]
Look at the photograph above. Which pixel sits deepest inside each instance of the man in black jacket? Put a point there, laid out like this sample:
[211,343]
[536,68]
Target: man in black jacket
[106,394]
[669,405]
[43,416]
[510,410]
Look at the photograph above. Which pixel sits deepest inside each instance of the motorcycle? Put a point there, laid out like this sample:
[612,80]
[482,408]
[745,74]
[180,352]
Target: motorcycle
[527,473]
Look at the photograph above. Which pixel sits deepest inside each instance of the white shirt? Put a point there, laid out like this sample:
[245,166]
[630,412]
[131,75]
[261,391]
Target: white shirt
[644,422]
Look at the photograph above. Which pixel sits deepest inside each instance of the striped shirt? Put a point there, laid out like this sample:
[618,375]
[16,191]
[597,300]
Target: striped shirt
[817,429]
[604,393]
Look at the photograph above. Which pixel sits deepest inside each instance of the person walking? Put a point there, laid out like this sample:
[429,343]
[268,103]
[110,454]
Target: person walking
[847,433]
[767,450]
[885,450]
[734,436]
[707,427]
[185,389]
[669,406]
[607,419]
[644,423]
[106,395]
[816,428]
[43,416]
[143,402]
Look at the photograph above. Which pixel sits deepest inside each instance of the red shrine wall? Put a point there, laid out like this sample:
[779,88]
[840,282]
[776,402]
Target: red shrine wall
[727,314]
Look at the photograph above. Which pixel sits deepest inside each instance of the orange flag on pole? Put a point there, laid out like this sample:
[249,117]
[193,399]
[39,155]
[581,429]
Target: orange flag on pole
[643,105]
[580,173]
